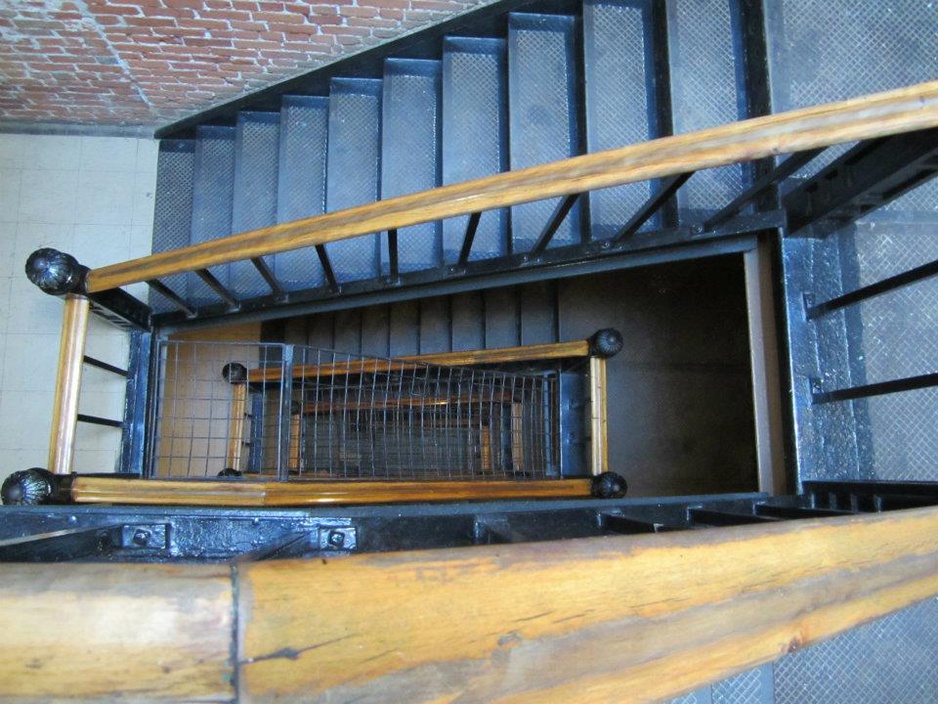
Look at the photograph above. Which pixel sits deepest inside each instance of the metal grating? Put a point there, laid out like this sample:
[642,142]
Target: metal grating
[541,75]
[255,191]
[704,93]
[890,660]
[894,336]
[301,183]
[415,421]
[898,333]
[904,442]
[823,52]
[172,213]
[212,199]
[195,411]
[617,102]
[700,696]
[353,169]
[750,687]
[474,136]
[275,411]
[411,154]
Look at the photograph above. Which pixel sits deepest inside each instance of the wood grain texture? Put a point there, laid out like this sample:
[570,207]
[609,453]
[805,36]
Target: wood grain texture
[68,383]
[236,422]
[903,110]
[116,632]
[500,355]
[312,492]
[597,620]
[599,426]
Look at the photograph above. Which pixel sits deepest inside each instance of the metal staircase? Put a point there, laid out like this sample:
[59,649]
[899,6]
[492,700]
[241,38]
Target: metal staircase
[849,230]
[510,86]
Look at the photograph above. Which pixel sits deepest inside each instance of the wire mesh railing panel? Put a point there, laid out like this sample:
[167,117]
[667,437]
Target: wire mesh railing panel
[373,418]
[279,411]
[209,416]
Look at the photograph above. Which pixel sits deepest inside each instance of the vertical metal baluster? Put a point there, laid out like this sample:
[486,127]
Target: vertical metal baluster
[283,416]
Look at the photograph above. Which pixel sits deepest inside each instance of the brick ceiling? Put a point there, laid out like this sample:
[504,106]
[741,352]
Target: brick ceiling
[149,62]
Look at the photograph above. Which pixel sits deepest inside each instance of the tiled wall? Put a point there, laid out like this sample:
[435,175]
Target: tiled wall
[91,197]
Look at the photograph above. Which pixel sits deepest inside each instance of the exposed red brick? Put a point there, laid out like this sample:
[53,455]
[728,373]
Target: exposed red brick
[152,61]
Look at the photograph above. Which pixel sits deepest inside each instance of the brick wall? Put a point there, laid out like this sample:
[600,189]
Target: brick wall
[153,61]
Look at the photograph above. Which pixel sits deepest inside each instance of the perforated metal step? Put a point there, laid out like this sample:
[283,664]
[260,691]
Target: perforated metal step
[212,199]
[704,93]
[619,100]
[353,168]
[475,135]
[410,160]
[304,124]
[172,214]
[542,114]
[257,148]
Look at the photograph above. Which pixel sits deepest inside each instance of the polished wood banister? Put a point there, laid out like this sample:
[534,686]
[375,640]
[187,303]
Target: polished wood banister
[312,492]
[877,115]
[468,358]
[620,619]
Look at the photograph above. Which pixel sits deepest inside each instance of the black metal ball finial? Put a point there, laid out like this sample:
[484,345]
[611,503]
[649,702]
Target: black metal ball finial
[606,343]
[28,487]
[55,272]
[608,485]
[234,373]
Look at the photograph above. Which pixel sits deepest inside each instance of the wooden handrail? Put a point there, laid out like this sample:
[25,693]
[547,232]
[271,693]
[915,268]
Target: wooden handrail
[591,620]
[877,115]
[313,492]
[498,355]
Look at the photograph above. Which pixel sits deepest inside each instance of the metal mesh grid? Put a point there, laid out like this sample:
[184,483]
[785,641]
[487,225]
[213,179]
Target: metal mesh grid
[172,212]
[202,427]
[410,154]
[473,133]
[354,161]
[703,75]
[254,203]
[894,336]
[301,183]
[404,420]
[890,660]
[750,687]
[616,102]
[904,442]
[823,52]
[541,63]
[279,411]
[212,199]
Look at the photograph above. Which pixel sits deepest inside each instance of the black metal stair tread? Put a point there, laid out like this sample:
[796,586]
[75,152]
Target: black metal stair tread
[543,123]
[353,168]
[172,210]
[410,156]
[212,198]
[474,135]
[301,184]
[254,200]
[618,94]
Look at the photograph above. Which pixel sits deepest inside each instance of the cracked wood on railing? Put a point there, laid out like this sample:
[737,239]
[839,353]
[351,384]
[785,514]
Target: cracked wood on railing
[903,110]
[600,619]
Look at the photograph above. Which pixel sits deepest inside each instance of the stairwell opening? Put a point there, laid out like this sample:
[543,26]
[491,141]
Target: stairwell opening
[681,411]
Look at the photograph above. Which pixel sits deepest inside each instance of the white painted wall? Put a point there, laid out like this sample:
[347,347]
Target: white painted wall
[93,198]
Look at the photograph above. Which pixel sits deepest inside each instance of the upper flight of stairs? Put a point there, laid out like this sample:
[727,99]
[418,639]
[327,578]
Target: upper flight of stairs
[500,91]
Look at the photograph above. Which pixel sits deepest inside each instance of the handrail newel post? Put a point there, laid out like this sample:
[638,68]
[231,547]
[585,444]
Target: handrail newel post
[60,274]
